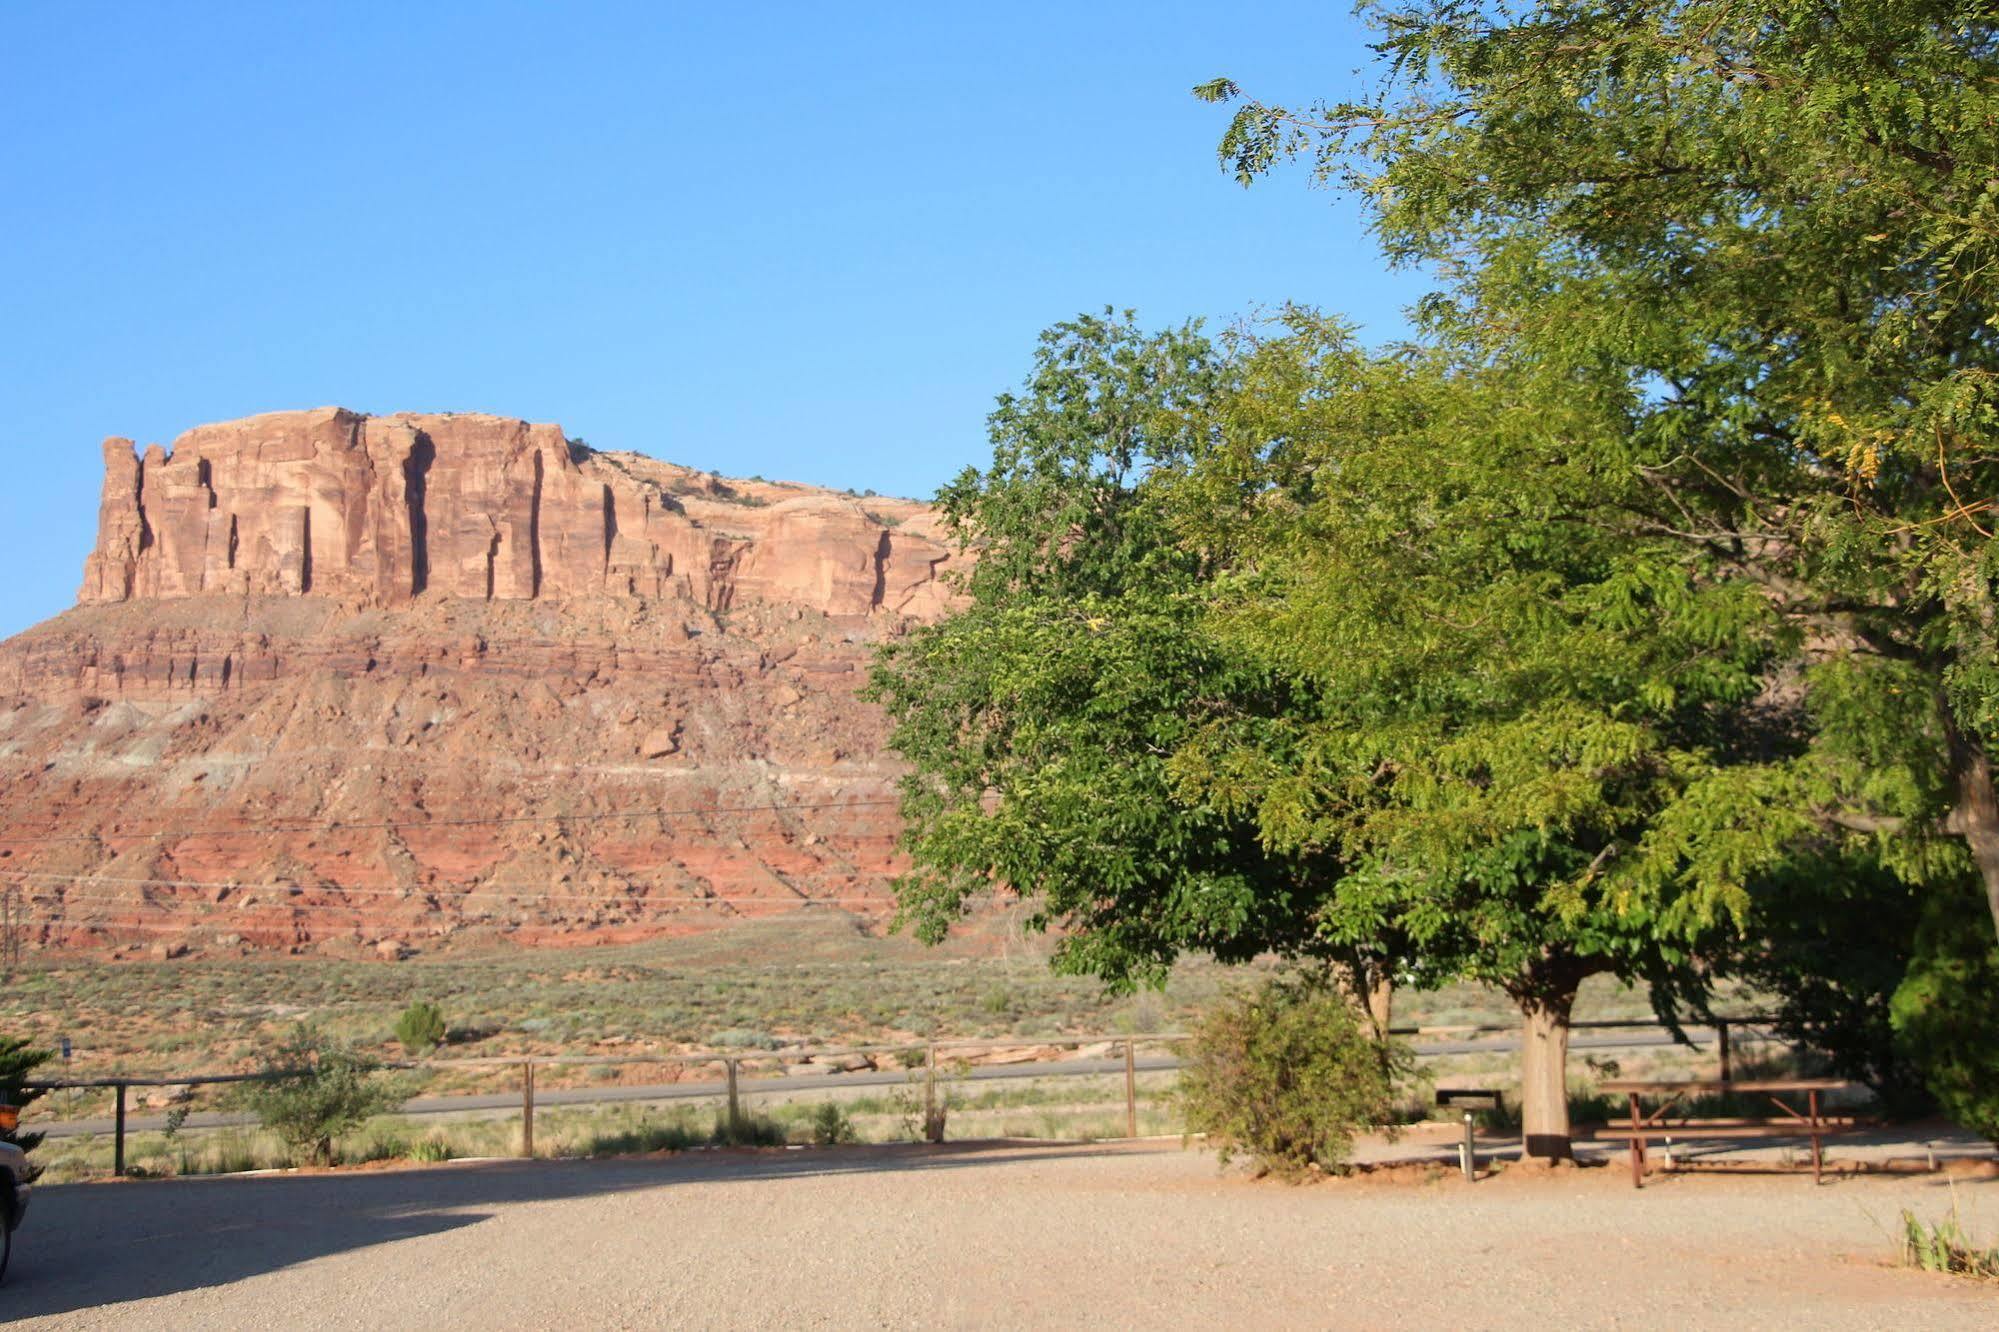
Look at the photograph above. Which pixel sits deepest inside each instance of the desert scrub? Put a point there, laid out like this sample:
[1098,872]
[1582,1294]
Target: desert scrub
[314,1089]
[1287,1074]
[421,1028]
[830,1125]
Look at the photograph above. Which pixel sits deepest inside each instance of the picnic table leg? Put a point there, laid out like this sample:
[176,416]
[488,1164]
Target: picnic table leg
[1637,1147]
[1818,1162]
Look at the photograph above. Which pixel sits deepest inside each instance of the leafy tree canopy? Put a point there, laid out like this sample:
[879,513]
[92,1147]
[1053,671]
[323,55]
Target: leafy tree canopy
[1760,242]
[1039,719]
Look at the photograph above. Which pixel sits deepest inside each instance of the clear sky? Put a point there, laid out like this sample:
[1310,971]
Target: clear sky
[806,241]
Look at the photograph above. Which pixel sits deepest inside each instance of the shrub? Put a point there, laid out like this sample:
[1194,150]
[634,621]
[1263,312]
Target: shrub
[18,1060]
[316,1089]
[748,1130]
[1286,1075]
[430,1150]
[421,1028]
[1943,1011]
[830,1125]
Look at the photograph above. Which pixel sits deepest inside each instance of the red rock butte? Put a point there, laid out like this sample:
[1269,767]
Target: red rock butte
[348,683]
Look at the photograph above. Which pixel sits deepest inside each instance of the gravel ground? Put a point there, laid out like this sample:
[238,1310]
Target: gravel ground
[1133,1235]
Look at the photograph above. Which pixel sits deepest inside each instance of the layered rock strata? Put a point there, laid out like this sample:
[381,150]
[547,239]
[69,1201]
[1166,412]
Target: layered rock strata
[359,683]
[381,510]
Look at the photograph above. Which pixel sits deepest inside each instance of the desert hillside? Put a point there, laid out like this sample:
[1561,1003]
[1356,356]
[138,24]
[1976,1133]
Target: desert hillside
[344,683]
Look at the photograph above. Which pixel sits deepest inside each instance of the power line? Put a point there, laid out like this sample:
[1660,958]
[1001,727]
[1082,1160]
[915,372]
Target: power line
[337,825]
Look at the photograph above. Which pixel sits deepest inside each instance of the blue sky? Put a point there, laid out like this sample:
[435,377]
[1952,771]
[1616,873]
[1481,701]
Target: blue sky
[798,240]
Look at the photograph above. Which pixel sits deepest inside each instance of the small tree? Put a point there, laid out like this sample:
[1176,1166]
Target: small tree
[316,1089]
[17,1061]
[1287,1074]
[1943,1011]
[421,1028]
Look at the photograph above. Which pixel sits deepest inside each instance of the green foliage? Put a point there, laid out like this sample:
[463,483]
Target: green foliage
[1943,1013]
[1942,1246]
[748,1130]
[1287,1075]
[430,1150]
[1039,720]
[316,1089]
[672,1136]
[830,1125]
[421,1028]
[1826,944]
[1748,253]
[18,1061]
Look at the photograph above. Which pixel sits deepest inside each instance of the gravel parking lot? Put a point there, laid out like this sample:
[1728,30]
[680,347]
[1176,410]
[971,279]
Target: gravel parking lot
[1136,1235]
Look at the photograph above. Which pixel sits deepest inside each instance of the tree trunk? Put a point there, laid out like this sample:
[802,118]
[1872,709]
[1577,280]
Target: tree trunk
[1380,1000]
[1370,982]
[1976,818]
[1544,1069]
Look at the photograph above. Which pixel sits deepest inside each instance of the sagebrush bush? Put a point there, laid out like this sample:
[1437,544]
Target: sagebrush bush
[317,1089]
[1286,1075]
[421,1028]
[830,1125]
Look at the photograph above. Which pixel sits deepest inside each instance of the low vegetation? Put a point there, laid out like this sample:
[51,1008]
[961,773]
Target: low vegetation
[1287,1075]
[1943,1246]
[18,1062]
[316,1088]
[421,1028]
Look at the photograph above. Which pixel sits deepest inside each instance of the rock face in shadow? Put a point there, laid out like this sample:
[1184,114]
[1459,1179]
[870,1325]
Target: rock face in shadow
[378,511]
[337,682]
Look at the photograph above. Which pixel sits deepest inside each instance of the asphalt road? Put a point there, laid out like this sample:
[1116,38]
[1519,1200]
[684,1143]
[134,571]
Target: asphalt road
[694,1091]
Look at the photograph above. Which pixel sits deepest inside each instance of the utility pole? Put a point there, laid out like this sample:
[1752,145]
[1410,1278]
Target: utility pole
[10,939]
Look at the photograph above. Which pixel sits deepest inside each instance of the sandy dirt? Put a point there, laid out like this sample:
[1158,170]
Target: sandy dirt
[1126,1236]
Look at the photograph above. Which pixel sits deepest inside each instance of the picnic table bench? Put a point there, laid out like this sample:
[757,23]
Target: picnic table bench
[1791,1121]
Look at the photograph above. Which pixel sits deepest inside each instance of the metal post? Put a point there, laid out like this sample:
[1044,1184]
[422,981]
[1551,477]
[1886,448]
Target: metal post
[118,1134]
[735,1106]
[527,1108]
[1818,1156]
[1721,1042]
[1470,1163]
[1130,1089]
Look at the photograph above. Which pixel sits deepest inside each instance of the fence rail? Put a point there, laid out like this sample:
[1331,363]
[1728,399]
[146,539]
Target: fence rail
[732,1087]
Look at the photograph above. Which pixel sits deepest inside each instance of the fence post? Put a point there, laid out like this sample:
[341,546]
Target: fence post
[527,1108]
[1130,1089]
[1721,1042]
[735,1106]
[930,1133]
[118,1134]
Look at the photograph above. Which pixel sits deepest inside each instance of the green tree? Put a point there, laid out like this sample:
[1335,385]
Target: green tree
[18,1061]
[1522,726]
[1039,719]
[1763,238]
[1942,1013]
[316,1088]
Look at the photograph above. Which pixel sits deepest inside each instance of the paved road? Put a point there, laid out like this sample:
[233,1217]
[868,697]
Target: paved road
[1000,1236]
[470,1103]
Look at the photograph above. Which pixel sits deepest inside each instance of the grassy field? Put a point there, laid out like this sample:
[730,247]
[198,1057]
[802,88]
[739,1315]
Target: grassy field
[802,980]
[814,978]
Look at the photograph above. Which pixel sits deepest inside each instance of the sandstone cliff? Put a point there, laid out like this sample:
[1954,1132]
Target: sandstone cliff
[341,682]
[381,510]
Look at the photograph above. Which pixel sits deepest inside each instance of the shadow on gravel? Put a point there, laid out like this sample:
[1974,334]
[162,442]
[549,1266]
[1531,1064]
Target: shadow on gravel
[87,1246]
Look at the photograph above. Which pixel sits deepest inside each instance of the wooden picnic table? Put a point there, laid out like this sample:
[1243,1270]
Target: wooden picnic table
[1809,1122]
